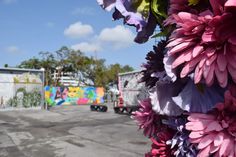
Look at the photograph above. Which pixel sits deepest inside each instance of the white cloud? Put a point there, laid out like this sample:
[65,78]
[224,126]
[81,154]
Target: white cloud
[119,36]
[78,30]
[109,38]
[87,47]
[13,50]
[84,11]
[8,1]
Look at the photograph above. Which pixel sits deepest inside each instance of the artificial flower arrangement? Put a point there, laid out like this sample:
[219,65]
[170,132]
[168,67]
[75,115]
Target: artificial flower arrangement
[190,74]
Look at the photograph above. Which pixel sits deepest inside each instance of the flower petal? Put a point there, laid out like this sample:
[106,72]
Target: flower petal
[232,72]
[185,16]
[232,40]
[229,150]
[197,126]
[195,140]
[223,146]
[216,6]
[205,152]
[221,62]
[230,3]
[180,47]
[206,141]
[199,116]
[197,50]
[222,77]
[218,139]
[198,74]
[209,77]
[196,134]
[186,70]
[210,60]
[178,61]
[213,126]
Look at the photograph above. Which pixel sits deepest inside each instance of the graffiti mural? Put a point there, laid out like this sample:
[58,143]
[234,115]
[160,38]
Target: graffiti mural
[21,88]
[25,99]
[73,95]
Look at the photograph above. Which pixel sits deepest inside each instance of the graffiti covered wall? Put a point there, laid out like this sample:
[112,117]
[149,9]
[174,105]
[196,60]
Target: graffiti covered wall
[21,89]
[73,95]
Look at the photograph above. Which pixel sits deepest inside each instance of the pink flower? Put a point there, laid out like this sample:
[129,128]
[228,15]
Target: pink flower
[159,146]
[206,43]
[215,133]
[147,119]
[175,7]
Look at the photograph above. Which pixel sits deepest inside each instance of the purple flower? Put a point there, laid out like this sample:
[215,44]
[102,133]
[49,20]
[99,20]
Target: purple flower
[180,141]
[161,97]
[107,4]
[154,65]
[199,98]
[134,13]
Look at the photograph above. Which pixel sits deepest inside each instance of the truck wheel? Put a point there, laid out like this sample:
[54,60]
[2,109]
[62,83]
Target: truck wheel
[116,110]
[92,108]
[129,110]
[103,108]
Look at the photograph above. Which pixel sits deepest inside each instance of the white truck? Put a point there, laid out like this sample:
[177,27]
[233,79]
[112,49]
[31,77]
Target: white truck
[130,92]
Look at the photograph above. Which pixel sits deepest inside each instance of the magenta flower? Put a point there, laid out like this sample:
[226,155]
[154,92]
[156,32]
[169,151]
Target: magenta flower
[176,6]
[206,43]
[147,119]
[215,133]
[159,146]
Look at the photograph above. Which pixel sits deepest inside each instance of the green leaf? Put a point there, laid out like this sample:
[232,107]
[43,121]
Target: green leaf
[160,34]
[163,33]
[158,7]
[193,2]
[142,6]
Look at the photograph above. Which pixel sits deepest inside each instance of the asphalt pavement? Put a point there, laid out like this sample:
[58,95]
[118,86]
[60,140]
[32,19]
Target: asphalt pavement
[70,131]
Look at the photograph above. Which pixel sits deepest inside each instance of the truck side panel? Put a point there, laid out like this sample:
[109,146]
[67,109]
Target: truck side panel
[130,89]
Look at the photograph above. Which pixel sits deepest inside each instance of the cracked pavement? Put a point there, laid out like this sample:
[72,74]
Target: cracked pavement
[70,131]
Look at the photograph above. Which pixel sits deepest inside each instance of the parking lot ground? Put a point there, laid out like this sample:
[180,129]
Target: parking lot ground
[70,131]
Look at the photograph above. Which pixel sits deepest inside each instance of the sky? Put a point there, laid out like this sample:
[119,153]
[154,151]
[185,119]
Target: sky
[28,27]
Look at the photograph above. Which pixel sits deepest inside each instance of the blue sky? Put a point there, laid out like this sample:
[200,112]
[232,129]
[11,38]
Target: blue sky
[29,26]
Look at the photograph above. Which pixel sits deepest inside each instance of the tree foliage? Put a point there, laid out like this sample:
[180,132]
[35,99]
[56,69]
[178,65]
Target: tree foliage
[88,70]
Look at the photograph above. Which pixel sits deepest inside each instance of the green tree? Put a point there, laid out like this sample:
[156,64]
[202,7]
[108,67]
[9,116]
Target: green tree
[49,63]
[61,57]
[99,73]
[73,62]
[33,63]
[88,70]
[113,70]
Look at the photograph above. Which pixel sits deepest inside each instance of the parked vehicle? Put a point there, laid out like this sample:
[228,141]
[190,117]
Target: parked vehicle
[130,92]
